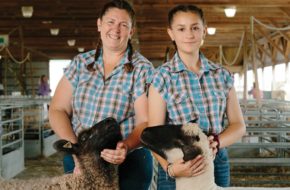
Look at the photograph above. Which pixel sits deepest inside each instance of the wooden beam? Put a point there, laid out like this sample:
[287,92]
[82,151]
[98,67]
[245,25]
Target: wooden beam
[285,11]
[279,31]
[262,49]
[269,39]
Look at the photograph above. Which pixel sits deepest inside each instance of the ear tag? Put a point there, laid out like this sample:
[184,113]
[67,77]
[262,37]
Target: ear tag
[67,145]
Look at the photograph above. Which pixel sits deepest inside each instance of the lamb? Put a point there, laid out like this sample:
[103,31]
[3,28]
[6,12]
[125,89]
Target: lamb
[174,142]
[97,174]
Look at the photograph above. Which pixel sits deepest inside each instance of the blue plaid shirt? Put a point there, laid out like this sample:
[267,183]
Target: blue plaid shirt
[96,98]
[189,96]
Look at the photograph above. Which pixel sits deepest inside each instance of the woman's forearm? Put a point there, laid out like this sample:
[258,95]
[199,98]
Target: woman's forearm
[61,125]
[133,140]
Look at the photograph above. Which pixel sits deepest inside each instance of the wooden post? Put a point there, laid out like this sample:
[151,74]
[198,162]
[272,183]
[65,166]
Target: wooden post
[221,54]
[5,75]
[22,71]
[245,68]
[286,56]
[258,99]
[273,60]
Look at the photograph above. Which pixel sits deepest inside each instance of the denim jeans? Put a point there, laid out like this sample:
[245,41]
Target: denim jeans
[68,164]
[164,182]
[222,168]
[135,173]
[221,173]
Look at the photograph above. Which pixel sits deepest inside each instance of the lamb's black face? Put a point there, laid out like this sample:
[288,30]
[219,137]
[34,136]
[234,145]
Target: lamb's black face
[162,138]
[104,134]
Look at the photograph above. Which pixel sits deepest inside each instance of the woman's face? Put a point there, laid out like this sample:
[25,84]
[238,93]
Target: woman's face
[116,29]
[188,32]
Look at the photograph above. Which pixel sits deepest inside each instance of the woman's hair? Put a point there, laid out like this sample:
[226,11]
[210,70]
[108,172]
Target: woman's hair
[119,4]
[42,78]
[123,5]
[185,8]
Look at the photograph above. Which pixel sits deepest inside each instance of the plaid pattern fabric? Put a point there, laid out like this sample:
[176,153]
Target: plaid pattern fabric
[189,97]
[95,99]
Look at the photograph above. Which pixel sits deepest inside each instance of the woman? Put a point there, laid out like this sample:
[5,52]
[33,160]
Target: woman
[43,88]
[191,88]
[108,82]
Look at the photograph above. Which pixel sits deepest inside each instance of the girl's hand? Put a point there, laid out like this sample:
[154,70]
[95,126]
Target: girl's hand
[190,168]
[116,156]
[213,145]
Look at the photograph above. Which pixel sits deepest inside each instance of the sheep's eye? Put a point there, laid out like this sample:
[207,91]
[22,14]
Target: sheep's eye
[84,137]
[197,138]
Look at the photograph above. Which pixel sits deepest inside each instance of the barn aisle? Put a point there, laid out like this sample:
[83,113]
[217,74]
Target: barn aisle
[42,167]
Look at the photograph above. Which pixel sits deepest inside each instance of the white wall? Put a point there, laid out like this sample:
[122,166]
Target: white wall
[56,72]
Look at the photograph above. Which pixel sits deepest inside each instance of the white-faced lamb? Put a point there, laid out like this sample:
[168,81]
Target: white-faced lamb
[97,174]
[174,142]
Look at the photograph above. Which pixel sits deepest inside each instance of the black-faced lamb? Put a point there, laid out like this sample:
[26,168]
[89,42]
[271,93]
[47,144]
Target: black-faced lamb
[97,174]
[174,142]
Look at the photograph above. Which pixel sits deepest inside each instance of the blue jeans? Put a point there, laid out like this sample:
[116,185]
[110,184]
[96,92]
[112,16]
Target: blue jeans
[134,173]
[222,168]
[68,164]
[221,173]
[164,182]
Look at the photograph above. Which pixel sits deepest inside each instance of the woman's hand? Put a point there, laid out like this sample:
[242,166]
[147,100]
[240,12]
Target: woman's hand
[116,156]
[77,170]
[213,145]
[190,168]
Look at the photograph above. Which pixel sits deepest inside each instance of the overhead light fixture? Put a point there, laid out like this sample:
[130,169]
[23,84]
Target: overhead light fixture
[71,42]
[81,49]
[211,30]
[46,22]
[27,11]
[230,11]
[54,31]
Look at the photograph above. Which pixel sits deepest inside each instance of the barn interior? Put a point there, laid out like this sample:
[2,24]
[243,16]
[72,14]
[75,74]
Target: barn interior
[253,43]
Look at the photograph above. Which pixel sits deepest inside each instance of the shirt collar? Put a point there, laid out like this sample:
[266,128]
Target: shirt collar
[89,57]
[123,61]
[177,65]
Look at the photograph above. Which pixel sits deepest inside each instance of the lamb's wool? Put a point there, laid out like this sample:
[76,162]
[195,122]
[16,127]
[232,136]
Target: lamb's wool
[96,173]
[204,181]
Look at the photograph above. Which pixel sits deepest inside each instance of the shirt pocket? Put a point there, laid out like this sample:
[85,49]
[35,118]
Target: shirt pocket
[180,108]
[127,88]
[219,100]
[178,98]
[85,86]
[124,89]
[124,96]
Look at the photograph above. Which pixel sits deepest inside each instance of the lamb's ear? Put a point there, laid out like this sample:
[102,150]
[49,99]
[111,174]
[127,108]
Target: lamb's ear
[190,152]
[65,146]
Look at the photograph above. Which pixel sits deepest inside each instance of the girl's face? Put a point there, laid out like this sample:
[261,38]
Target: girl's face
[188,32]
[115,28]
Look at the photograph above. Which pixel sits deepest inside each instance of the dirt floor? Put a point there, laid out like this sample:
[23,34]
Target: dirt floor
[241,176]
[42,167]
[261,176]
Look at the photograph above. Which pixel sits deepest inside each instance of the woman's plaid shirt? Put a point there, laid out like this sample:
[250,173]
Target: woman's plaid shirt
[189,96]
[96,98]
